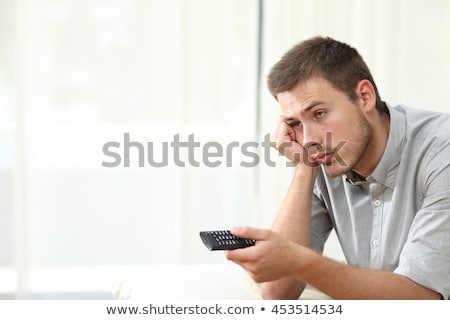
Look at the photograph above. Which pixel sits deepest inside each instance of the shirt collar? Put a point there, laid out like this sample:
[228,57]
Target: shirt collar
[386,169]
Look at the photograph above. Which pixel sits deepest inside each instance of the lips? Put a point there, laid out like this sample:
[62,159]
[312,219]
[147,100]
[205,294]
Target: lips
[323,157]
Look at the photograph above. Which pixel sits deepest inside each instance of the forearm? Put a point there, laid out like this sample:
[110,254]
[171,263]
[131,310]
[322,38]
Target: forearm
[341,281]
[293,222]
[294,216]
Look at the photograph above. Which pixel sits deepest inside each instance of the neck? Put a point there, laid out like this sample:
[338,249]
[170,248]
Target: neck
[377,144]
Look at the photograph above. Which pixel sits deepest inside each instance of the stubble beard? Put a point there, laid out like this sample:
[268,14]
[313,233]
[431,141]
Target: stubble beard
[351,154]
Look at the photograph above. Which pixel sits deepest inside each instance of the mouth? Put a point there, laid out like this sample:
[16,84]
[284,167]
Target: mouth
[323,157]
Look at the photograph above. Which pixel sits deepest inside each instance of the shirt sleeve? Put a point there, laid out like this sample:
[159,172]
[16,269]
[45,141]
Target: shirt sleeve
[425,258]
[321,225]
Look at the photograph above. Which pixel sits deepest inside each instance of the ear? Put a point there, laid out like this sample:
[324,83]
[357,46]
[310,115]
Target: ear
[366,93]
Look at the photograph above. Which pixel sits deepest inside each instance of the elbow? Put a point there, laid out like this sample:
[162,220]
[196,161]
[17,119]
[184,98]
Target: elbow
[273,295]
[270,291]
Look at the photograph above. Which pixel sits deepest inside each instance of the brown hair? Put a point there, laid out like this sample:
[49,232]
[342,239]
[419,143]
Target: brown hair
[332,60]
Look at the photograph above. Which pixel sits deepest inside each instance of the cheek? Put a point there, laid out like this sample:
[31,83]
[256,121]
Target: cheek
[340,128]
[331,134]
[343,139]
[352,138]
[338,140]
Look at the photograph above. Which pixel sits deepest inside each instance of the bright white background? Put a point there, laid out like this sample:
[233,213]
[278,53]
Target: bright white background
[75,75]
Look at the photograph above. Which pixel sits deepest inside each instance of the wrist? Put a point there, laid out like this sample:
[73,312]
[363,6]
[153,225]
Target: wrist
[307,261]
[305,172]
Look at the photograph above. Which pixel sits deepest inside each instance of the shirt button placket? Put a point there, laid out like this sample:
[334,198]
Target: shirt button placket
[375,248]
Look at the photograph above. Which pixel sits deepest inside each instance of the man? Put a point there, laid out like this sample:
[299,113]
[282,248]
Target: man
[379,175]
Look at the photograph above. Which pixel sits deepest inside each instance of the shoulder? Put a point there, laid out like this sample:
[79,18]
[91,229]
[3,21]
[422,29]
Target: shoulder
[423,124]
[426,133]
[426,149]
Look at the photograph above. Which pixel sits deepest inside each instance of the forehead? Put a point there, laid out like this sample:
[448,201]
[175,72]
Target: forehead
[306,95]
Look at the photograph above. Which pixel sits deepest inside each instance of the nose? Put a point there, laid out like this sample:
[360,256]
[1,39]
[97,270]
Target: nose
[312,137]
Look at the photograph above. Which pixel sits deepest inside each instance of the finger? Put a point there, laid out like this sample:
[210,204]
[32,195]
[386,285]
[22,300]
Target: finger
[274,134]
[284,135]
[250,232]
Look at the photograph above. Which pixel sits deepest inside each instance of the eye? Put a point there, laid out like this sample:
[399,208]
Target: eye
[295,124]
[320,114]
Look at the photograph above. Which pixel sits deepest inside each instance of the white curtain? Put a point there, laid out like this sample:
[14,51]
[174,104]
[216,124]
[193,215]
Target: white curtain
[89,73]
[76,75]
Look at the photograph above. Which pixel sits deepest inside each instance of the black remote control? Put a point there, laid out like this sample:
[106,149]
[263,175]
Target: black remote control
[224,240]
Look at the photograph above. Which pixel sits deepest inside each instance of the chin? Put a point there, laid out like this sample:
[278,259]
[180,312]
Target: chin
[334,170]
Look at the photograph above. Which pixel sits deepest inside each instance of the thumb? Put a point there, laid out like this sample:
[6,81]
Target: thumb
[250,232]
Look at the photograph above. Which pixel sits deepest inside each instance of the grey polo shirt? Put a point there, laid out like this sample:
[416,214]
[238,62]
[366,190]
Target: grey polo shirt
[398,218]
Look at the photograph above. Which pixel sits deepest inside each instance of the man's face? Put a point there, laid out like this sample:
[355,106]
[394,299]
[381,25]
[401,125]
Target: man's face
[333,129]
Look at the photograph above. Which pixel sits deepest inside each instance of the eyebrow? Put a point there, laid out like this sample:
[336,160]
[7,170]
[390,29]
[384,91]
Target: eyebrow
[306,109]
